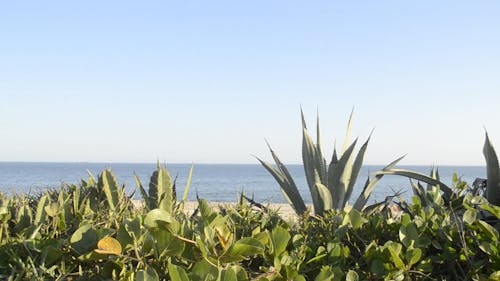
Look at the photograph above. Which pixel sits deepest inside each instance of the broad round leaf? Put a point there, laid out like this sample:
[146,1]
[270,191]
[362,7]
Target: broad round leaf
[157,218]
[109,246]
[84,239]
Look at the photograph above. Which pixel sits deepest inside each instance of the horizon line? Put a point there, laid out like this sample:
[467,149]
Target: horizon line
[220,163]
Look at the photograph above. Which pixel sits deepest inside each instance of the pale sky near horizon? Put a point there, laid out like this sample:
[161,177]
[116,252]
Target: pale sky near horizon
[208,81]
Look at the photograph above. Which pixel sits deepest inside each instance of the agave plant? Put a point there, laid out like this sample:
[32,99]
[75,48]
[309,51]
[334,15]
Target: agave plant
[161,193]
[492,193]
[331,185]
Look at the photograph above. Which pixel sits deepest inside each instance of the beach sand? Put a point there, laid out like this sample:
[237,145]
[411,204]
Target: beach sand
[284,210]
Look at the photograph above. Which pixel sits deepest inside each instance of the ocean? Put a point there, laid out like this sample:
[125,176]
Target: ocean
[213,182]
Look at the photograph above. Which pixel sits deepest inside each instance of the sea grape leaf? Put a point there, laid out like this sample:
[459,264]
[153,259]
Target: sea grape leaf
[177,273]
[352,276]
[353,218]
[408,234]
[395,251]
[147,275]
[157,218]
[84,239]
[279,240]
[413,256]
[490,231]
[470,216]
[109,246]
[326,274]
[244,247]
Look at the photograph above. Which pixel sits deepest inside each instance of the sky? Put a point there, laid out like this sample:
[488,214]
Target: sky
[210,81]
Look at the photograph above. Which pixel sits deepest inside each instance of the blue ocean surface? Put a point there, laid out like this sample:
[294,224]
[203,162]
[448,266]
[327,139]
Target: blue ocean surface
[214,182]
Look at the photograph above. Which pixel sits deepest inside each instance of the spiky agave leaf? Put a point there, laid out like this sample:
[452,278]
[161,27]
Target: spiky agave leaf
[356,167]
[188,184]
[447,192]
[336,183]
[370,185]
[320,160]
[310,162]
[348,132]
[286,183]
[160,189]
[145,196]
[434,173]
[331,166]
[312,156]
[492,171]
[420,192]
[108,184]
[326,202]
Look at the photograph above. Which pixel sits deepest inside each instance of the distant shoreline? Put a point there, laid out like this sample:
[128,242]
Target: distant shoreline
[216,164]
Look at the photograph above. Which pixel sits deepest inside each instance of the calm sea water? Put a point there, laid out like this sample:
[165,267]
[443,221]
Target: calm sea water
[214,182]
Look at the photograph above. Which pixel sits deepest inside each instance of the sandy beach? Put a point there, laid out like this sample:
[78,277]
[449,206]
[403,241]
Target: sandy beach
[284,210]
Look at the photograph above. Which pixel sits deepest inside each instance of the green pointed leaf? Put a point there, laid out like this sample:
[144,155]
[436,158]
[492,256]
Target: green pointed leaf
[286,183]
[354,218]
[336,177]
[188,184]
[161,182]
[356,167]
[326,197]
[309,159]
[177,273]
[370,185]
[493,173]
[147,275]
[435,175]
[319,159]
[143,192]
[40,210]
[447,192]
[108,183]
[348,132]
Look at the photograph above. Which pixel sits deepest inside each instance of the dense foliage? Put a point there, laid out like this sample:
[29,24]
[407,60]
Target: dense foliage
[93,232]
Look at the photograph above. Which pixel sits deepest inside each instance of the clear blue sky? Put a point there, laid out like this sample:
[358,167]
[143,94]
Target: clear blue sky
[207,81]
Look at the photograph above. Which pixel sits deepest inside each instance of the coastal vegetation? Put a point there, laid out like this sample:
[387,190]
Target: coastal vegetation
[95,231]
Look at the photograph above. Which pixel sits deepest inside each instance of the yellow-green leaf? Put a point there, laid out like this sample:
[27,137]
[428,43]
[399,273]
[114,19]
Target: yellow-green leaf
[109,246]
